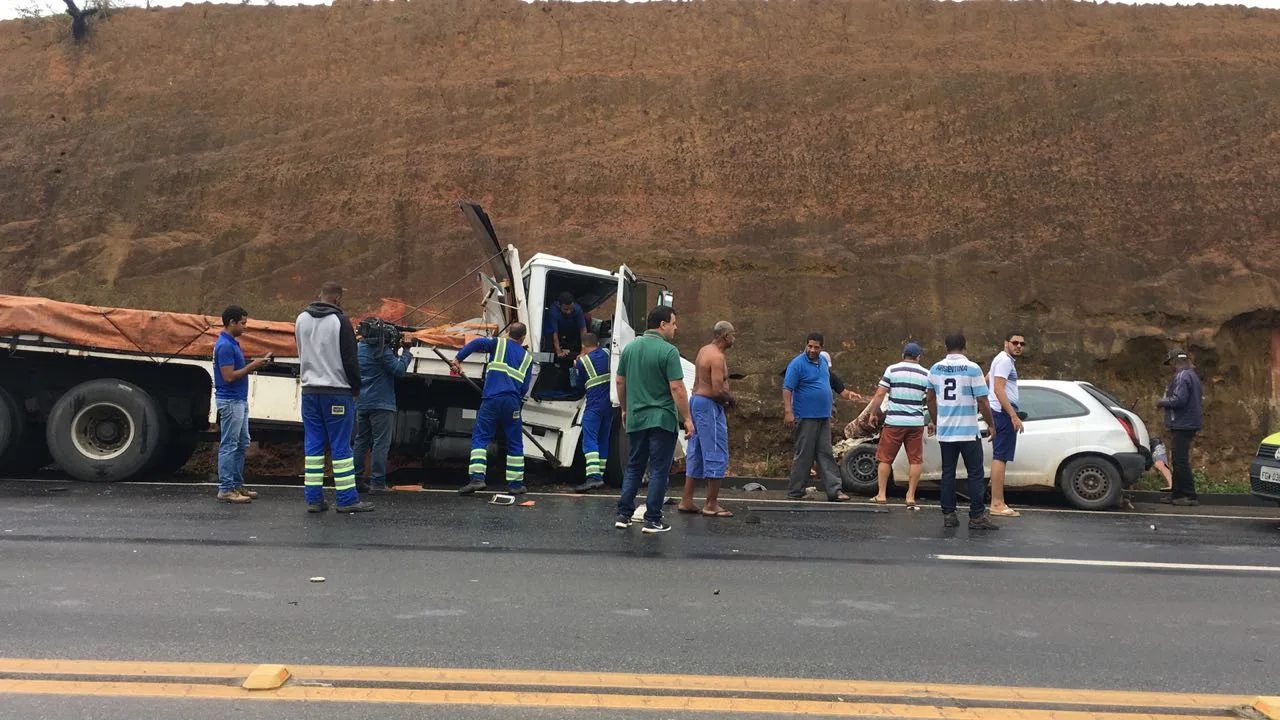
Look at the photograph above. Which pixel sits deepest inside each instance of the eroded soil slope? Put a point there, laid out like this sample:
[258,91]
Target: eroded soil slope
[1103,177]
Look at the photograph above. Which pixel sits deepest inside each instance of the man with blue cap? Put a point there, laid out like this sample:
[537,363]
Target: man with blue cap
[905,384]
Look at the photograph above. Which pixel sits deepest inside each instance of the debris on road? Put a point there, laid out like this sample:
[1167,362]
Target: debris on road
[502,499]
[528,503]
[317,579]
[753,487]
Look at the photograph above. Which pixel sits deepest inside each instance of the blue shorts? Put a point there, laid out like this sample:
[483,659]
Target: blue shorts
[1006,437]
[708,453]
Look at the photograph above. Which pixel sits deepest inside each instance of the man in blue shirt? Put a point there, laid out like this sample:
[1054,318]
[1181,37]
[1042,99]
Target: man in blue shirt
[376,406]
[506,383]
[566,325]
[592,369]
[806,405]
[231,392]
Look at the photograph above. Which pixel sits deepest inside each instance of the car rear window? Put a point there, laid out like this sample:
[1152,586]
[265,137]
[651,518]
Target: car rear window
[1103,396]
[1045,404]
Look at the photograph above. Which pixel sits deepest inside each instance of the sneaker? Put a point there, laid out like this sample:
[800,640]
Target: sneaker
[362,487]
[233,497]
[379,490]
[319,507]
[622,522]
[588,486]
[515,488]
[251,494]
[651,527]
[471,487]
[1186,502]
[982,523]
[356,508]
[950,520]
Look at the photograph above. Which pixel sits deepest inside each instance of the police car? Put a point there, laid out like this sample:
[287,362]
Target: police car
[1264,472]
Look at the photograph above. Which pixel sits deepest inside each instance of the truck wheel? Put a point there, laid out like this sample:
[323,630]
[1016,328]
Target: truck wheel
[105,430]
[619,449]
[1091,482]
[13,425]
[858,470]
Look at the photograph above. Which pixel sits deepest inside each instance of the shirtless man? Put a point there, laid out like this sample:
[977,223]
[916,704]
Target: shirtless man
[708,454]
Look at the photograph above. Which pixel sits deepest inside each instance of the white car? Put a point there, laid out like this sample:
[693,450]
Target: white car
[1077,438]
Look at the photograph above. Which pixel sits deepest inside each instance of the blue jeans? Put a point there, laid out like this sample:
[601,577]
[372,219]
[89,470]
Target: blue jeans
[971,452]
[654,448]
[233,423]
[373,431]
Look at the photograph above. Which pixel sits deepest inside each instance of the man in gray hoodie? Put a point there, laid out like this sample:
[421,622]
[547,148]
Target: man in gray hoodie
[330,385]
[1183,417]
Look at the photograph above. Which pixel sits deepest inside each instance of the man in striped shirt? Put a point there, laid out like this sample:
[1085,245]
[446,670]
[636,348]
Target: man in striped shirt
[957,393]
[905,383]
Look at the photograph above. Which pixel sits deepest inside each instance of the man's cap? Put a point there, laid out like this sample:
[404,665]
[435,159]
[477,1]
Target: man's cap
[912,350]
[1175,355]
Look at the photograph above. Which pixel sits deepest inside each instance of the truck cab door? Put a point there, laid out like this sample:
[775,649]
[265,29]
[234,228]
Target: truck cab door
[631,294]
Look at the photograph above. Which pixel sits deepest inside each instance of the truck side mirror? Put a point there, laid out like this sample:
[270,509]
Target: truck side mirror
[666,298]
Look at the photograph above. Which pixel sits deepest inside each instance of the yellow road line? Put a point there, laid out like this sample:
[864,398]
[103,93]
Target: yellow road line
[559,700]
[637,681]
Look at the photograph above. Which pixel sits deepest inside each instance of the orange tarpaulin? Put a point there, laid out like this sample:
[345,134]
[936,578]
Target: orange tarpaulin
[164,334]
[152,332]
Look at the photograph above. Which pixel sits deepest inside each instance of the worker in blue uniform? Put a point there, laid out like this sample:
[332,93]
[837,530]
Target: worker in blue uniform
[592,370]
[506,383]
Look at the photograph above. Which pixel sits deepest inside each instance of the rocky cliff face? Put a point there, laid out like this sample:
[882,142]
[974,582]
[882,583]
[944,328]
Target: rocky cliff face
[1102,177]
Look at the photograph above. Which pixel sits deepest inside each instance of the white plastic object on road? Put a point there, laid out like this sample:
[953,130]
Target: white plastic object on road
[317,579]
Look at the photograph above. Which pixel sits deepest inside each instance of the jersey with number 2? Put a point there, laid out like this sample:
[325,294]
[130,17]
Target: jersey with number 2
[957,384]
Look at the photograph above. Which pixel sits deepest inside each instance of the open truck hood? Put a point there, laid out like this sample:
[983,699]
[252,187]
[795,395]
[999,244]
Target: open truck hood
[488,239]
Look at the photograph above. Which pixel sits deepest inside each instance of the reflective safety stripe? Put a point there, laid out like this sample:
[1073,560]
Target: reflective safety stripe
[593,463]
[500,364]
[515,468]
[479,462]
[595,378]
[313,470]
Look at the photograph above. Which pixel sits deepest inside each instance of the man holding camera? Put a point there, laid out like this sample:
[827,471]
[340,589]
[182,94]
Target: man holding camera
[376,408]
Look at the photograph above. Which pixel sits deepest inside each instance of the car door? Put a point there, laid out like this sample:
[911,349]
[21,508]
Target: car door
[1051,431]
[932,471]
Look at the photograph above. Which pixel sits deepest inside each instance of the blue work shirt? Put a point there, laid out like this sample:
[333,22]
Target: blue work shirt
[810,386]
[378,373]
[597,386]
[506,375]
[555,322]
[227,353]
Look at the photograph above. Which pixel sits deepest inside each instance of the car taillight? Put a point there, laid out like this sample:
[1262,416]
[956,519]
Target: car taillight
[1128,427]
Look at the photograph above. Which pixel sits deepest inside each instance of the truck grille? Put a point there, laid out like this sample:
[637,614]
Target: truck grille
[1268,451]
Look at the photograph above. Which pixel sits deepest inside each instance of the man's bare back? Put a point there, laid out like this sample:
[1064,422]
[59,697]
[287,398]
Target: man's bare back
[712,379]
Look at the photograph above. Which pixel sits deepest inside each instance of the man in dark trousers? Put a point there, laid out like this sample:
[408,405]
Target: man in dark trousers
[655,404]
[1182,403]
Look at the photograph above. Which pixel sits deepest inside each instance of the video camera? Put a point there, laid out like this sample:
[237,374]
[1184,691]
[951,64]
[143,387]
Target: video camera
[377,331]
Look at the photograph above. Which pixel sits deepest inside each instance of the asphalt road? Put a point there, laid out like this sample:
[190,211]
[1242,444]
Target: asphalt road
[131,572]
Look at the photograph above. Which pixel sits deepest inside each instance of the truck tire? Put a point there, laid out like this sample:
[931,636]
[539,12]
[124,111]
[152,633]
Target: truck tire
[1091,482]
[13,425]
[105,430]
[619,449]
[858,470]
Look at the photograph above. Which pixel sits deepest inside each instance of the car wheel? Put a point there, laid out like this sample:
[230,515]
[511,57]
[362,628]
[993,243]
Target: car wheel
[1091,482]
[858,470]
[105,430]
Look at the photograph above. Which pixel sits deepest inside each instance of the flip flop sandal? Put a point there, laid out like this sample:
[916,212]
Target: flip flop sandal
[686,511]
[721,513]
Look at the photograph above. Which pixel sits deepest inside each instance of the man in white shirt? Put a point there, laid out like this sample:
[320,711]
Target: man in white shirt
[956,397]
[1003,383]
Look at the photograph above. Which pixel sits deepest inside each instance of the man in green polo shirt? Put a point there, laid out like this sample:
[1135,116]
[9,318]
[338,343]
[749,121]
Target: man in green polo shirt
[655,404]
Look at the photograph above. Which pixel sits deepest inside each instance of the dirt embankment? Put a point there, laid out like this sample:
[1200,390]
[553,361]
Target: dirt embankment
[1101,177]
